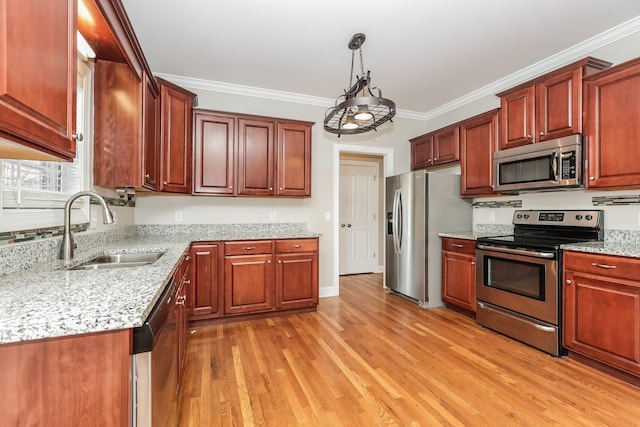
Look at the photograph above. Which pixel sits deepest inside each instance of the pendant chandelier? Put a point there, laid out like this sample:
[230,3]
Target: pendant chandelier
[358,110]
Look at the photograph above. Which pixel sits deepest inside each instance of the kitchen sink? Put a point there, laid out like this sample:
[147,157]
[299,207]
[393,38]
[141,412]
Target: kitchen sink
[119,260]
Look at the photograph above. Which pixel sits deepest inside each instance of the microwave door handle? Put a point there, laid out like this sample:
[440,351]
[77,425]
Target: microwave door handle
[556,176]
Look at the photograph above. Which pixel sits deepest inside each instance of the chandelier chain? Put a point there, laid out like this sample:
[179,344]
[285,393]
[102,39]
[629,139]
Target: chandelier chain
[361,63]
[351,74]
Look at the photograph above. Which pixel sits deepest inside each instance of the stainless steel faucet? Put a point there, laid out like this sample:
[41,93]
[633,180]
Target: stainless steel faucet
[66,249]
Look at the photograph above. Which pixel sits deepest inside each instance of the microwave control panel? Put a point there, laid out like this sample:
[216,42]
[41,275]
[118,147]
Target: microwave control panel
[568,165]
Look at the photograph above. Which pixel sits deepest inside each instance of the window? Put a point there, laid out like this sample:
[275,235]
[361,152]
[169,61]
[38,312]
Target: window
[33,193]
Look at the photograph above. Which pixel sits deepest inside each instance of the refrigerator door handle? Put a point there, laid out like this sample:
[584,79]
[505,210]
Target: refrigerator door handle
[397,221]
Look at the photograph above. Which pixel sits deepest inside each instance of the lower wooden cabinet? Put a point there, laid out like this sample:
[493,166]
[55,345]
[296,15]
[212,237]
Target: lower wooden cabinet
[601,317]
[296,273]
[248,283]
[205,299]
[459,273]
[183,277]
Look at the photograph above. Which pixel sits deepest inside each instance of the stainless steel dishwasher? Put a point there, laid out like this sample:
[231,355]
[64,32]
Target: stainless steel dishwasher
[155,364]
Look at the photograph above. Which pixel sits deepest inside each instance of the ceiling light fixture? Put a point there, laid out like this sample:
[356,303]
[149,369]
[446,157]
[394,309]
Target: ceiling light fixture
[358,110]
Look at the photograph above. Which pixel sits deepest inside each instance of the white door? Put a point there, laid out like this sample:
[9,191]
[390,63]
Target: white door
[359,187]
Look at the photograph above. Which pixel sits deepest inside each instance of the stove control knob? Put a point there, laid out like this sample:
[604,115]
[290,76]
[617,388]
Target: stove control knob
[526,216]
[589,217]
[519,216]
[578,217]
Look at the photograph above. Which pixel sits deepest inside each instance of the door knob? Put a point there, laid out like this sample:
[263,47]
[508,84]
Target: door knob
[348,225]
[342,225]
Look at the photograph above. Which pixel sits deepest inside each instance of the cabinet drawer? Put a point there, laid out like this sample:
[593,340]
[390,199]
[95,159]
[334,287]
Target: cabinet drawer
[248,247]
[459,245]
[609,265]
[297,245]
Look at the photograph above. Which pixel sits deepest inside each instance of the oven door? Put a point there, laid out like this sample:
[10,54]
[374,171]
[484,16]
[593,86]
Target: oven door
[522,281]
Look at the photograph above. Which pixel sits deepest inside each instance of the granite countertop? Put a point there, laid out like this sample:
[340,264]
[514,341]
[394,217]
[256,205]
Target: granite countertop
[52,301]
[606,248]
[469,235]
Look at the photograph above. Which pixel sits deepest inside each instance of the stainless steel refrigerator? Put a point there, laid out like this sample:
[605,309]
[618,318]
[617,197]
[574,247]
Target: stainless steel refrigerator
[419,205]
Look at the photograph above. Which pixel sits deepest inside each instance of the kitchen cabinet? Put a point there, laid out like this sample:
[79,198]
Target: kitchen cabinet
[175,140]
[478,141]
[547,107]
[248,277]
[435,148]
[296,273]
[38,79]
[253,155]
[601,316]
[126,127]
[256,161]
[182,276]
[612,127]
[459,273]
[294,160]
[67,381]
[215,154]
[206,295]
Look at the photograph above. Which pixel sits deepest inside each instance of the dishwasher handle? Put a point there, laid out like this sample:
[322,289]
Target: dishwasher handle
[145,336]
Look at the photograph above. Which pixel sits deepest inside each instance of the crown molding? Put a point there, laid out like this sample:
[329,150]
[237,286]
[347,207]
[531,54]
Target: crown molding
[564,57]
[561,58]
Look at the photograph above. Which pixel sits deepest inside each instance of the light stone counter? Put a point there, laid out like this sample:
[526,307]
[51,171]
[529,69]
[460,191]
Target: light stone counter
[51,301]
[607,248]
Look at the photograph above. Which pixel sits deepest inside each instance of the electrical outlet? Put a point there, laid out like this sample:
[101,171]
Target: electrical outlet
[492,216]
[327,216]
[272,216]
[178,216]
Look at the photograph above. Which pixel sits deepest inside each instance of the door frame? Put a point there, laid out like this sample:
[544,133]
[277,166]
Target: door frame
[387,160]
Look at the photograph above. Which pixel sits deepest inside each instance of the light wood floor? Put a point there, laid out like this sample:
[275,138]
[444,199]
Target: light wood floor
[368,359]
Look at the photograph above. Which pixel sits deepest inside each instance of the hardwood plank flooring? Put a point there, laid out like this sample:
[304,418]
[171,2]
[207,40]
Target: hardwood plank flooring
[367,358]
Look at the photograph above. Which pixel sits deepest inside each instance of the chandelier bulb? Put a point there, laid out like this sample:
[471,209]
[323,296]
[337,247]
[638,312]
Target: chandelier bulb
[363,113]
[350,122]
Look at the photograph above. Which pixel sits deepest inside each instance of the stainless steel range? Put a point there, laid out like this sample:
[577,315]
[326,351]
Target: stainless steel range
[518,276]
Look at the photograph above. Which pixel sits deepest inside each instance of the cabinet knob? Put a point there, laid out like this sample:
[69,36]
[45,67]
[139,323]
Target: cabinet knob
[568,282]
[146,175]
[280,188]
[592,178]
[541,133]
[77,136]
[279,261]
[164,182]
[428,160]
[529,137]
[188,258]
[187,282]
[270,188]
[231,187]
[473,263]
[269,261]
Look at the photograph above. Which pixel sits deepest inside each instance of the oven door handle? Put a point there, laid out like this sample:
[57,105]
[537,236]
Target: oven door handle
[547,255]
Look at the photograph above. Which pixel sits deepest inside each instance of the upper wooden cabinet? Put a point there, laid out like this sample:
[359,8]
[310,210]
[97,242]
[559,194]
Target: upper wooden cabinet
[612,127]
[38,79]
[478,141]
[547,107]
[247,155]
[435,148]
[176,124]
[126,128]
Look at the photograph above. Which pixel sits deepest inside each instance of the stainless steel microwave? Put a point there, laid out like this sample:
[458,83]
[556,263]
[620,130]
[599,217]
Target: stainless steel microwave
[549,165]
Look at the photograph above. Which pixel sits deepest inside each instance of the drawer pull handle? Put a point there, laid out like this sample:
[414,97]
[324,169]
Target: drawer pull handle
[248,248]
[296,246]
[603,265]
[456,245]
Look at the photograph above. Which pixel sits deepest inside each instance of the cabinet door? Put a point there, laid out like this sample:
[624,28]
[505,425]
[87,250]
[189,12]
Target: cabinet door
[206,295]
[612,127]
[478,141]
[255,157]
[296,280]
[422,152]
[215,152]
[248,284]
[150,116]
[446,146]
[518,118]
[176,125]
[459,273]
[38,78]
[559,105]
[602,319]
[294,160]
[118,109]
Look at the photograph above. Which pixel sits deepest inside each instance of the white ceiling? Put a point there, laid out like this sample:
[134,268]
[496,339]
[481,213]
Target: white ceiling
[421,53]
